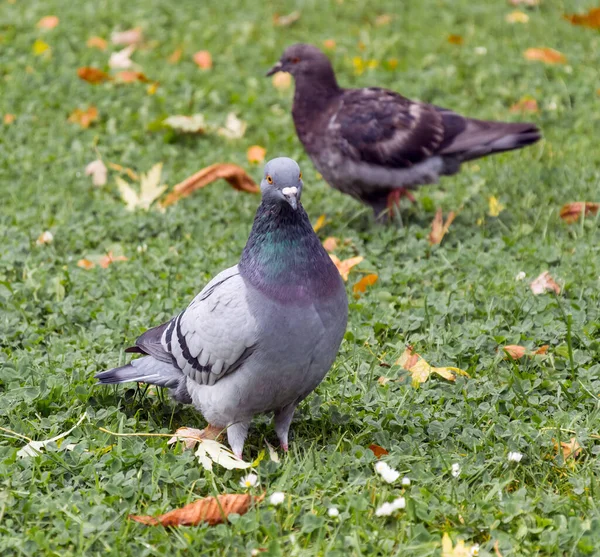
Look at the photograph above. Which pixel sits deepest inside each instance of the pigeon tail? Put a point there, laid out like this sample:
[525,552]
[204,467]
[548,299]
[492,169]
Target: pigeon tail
[143,370]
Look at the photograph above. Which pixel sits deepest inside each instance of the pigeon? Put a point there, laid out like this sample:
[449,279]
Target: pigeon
[377,145]
[262,334]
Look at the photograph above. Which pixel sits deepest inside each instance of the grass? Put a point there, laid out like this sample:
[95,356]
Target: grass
[456,303]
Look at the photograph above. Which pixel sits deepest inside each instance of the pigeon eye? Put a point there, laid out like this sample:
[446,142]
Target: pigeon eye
[295,60]
[269,179]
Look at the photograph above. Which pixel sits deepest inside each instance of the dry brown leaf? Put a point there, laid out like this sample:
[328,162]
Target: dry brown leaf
[572,211]
[329,44]
[285,20]
[48,22]
[330,243]
[514,351]
[126,38]
[546,55]
[8,119]
[256,154]
[233,174]
[175,56]
[92,75]
[544,283]
[439,228]
[420,370]
[361,285]
[591,19]
[571,449]
[130,76]
[526,104]
[213,510]
[84,117]
[203,59]
[377,450]
[455,39]
[282,81]
[96,42]
[345,266]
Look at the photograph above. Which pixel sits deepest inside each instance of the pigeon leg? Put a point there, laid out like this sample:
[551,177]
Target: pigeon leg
[283,420]
[236,435]
[396,195]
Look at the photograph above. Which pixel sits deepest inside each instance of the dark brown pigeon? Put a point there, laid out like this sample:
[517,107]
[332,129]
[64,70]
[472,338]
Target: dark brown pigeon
[377,145]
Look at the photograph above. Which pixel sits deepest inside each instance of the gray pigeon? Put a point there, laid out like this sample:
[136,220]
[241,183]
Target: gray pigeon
[375,144]
[262,334]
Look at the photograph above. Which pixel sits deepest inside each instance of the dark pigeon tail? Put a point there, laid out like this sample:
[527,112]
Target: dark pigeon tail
[144,370]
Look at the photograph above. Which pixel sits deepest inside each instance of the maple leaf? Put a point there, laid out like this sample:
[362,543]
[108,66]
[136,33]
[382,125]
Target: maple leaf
[572,211]
[439,228]
[212,510]
[84,117]
[281,81]
[97,170]
[48,22]
[256,154]
[96,42]
[234,127]
[420,370]
[344,267]
[92,75]
[363,283]
[203,59]
[590,19]
[494,207]
[128,37]
[544,283]
[150,190]
[121,60]
[187,124]
[459,550]
[546,55]
[285,20]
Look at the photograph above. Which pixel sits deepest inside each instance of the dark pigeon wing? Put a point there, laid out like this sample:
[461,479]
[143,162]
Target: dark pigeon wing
[380,127]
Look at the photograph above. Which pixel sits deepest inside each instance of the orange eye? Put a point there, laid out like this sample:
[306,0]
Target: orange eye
[295,60]
[300,177]
[269,179]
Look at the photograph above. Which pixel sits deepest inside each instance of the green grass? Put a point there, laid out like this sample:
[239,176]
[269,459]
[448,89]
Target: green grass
[457,303]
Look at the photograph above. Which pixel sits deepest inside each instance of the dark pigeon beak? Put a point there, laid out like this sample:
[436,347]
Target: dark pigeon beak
[276,68]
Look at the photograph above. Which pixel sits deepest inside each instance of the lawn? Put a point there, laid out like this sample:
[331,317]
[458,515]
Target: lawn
[456,303]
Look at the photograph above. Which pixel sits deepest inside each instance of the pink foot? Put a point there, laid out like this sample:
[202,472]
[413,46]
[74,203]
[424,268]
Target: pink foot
[285,447]
[396,195]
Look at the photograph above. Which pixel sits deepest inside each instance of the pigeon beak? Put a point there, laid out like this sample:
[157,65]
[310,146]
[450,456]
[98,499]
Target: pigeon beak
[276,68]
[291,196]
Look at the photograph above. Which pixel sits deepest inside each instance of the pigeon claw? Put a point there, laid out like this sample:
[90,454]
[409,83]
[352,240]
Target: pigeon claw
[396,195]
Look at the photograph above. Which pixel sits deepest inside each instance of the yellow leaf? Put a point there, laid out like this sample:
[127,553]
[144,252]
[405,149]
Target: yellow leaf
[152,88]
[175,56]
[150,190]
[361,285]
[546,55]
[187,124]
[320,223]
[517,17]
[234,127]
[85,264]
[39,47]
[256,154]
[420,370]
[346,265]
[84,117]
[495,207]
[459,550]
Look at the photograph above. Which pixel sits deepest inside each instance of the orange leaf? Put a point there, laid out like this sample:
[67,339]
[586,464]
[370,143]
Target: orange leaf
[109,258]
[8,119]
[92,75]
[526,104]
[329,44]
[515,351]
[84,117]
[129,76]
[330,243]
[85,264]
[203,59]
[377,450]
[48,22]
[572,449]
[175,56]
[96,42]
[235,175]
[361,285]
[544,283]
[591,19]
[346,265]
[439,228]
[213,510]
[420,370]
[256,154]
[455,39]
[542,350]
[546,55]
[572,211]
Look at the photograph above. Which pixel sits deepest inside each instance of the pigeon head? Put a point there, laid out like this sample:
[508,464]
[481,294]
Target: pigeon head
[282,182]
[303,60]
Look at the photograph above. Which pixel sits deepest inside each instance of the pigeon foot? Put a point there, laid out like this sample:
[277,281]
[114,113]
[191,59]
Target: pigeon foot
[396,195]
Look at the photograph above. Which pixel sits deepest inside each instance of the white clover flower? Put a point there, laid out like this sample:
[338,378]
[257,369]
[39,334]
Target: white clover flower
[388,508]
[249,481]
[514,456]
[474,551]
[456,470]
[277,497]
[333,512]
[405,481]
[386,472]
[255,552]
[480,50]
[520,276]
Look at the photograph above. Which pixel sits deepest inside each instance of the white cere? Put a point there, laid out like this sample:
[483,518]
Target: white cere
[290,191]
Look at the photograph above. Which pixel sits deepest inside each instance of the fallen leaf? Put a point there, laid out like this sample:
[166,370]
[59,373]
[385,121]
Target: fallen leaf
[459,550]
[571,212]
[517,17]
[542,350]
[96,42]
[377,450]
[330,244]
[383,380]
[273,456]
[256,154]
[329,44]
[363,283]
[84,117]
[97,170]
[121,60]
[213,510]
[546,55]
[187,124]
[590,19]
[92,75]
[570,449]
[150,190]
[34,448]
[130,76]
[39,47]
[45,237]
[455,39]
[344,267]
[86,264]
[544,283]
[175,56]
[282,81]
[420,370]
[439,228]
[494,207]
[129,37]
[514,351]
[233,174]
[526,104]
[285,20]
[109,259]
[320,223]
[8,119]
[152,88]
[234,127]
[203,59]
[48,22]
[383,19]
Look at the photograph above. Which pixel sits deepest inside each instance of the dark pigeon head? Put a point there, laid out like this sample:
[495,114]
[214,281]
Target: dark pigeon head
[303,59]
[282,182]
